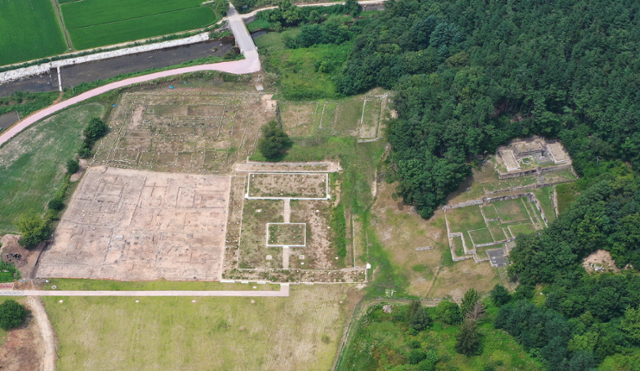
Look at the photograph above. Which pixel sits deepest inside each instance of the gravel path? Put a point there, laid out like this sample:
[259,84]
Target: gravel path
[284,292]
[41,317]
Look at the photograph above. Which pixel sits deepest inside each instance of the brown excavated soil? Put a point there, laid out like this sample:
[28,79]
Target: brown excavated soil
[141,225]
[288,185]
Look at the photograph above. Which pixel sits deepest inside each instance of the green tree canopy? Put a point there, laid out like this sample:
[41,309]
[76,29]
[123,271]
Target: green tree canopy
[33,230]
[500,295]
[468,340]
[12,314]
[96,129]
[274,142]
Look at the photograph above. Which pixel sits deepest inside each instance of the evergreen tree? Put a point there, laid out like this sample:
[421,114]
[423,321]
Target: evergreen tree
[499,295]
[274,142]
[468,341]
[469,300]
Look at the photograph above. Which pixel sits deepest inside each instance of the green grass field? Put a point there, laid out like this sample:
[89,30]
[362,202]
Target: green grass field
[380,343]
[32,164]
[481,236]
[301,332]
[296,68]
[522,228]
[94,23]
[465,219]
[511,210]
[29,29]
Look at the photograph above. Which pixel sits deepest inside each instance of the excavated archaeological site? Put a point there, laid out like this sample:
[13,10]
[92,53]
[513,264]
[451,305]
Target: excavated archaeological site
[170,195]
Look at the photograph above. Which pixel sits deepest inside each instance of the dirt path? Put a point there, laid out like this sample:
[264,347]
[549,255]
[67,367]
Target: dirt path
[48,335]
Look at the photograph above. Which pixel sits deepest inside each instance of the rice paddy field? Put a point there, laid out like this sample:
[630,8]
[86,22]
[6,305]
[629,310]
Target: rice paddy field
[29,30]
[95,23]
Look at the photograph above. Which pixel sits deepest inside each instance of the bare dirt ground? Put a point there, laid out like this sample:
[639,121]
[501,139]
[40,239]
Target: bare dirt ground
[139,225]
[26,264]
[601,261]
[288,185]
[184,131]
[49,357]
[24,348]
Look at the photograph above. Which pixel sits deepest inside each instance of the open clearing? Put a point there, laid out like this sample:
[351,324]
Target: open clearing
[32,165]
[300,332]
[138,225]
[94,23]
[29,29]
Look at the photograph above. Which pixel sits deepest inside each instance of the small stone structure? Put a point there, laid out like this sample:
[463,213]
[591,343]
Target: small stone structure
[532,156]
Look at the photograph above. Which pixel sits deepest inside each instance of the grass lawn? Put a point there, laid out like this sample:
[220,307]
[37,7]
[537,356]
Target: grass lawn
[511,210]
[84,284]
[465,219]
[481,236]
[522,228]
[490,211]
[94,23]
[301,332]
[32,164]
[380,343]
[544,196]
[29,29]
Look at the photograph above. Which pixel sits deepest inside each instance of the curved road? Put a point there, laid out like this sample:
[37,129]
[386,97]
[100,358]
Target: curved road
[250,64]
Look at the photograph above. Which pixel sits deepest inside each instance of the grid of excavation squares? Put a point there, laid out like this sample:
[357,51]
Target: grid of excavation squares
[139,225]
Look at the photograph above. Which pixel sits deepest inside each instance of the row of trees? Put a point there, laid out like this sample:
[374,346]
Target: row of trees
[35,228]
[472,74]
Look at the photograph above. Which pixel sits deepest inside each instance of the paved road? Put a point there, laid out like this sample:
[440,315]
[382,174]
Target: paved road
[284,292]
[250,64]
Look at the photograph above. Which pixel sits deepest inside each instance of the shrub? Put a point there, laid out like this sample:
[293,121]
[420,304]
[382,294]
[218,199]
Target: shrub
[416,356]
[449,312]
[500,295]
[73,166]
[84,152]
[96,129]
[56,204]
[12,314]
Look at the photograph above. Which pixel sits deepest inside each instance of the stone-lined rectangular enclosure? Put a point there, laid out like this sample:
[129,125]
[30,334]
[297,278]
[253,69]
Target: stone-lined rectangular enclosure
[140,225]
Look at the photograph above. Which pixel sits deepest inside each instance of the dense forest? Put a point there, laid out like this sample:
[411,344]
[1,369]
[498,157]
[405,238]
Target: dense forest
[472,74]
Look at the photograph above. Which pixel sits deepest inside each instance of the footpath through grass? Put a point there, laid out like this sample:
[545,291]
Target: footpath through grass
[29,29]
[301,332]
[160,285]
[32,165]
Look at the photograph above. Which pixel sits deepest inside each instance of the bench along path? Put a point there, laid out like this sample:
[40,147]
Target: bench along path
[250,64]
[283,293]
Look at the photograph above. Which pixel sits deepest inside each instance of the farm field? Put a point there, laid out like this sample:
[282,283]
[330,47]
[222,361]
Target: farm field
[94,23]
[32,165]
[29,29]
[301,332]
